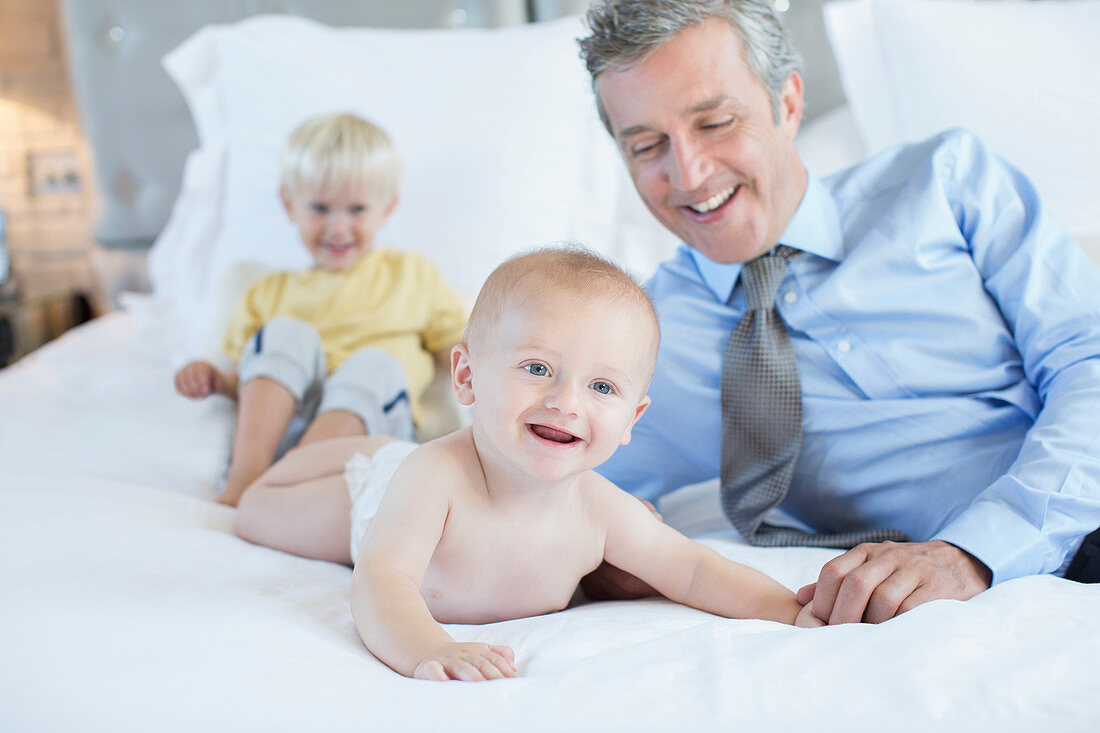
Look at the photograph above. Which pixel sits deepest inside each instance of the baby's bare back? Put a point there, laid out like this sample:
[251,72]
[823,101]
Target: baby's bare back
[512,555]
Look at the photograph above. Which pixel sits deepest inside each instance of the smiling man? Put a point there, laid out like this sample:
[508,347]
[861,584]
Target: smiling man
[902,357]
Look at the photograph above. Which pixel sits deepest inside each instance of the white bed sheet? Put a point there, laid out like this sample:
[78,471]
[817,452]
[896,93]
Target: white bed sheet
[128,604]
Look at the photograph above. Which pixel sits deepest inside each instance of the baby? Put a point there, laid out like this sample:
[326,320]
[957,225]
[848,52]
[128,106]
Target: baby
[502,519]
[348,345]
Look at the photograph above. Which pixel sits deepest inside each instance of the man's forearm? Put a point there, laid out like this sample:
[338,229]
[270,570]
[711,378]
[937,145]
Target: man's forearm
[1016,526]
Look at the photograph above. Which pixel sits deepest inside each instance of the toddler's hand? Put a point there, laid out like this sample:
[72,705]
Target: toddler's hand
[467,661]
[198,379]
[806,617]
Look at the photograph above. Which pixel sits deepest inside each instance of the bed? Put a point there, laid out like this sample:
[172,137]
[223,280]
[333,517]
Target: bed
[129,604]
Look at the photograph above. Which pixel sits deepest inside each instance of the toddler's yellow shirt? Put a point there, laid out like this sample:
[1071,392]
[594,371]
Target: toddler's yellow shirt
[390,299]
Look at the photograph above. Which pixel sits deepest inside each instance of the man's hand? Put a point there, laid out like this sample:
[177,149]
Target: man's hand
[467,661]
[198,379]
[874,582]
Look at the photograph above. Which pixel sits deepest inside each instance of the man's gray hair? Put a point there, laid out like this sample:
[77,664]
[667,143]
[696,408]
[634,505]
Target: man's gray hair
[625,32]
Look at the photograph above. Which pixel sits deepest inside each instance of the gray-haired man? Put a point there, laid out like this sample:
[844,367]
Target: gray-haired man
[906,350]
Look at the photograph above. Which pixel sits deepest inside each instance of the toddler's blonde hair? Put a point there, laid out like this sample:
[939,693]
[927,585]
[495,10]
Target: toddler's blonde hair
[337,150]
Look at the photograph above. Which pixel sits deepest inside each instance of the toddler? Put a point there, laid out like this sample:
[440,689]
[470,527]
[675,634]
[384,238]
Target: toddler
[347,345]
[502,519]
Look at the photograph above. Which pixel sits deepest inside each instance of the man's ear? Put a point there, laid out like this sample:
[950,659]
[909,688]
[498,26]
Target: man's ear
[462,376]
[791,104]
[642,407]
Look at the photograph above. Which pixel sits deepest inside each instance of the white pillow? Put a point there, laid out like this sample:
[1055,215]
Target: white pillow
[1022,75]
[179,260]
[497,129]
[830,142]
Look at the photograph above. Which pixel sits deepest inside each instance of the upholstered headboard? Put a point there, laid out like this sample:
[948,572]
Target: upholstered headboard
[134,117]
[140,131]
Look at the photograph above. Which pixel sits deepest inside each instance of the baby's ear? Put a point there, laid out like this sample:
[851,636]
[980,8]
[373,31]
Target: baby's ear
[462,376]
[638,412]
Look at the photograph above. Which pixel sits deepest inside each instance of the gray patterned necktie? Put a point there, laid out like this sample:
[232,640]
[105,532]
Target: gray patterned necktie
[762,416]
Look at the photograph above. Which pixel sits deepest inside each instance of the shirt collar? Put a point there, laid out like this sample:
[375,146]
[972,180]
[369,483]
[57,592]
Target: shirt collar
[814,228]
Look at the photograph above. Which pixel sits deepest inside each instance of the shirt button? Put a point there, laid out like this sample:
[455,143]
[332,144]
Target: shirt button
[844,347]
[791,296]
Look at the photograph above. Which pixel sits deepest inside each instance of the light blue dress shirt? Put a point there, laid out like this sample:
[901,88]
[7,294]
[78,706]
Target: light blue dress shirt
[947,331]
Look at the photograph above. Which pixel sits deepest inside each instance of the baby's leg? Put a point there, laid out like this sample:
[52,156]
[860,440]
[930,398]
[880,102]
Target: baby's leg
[301,504]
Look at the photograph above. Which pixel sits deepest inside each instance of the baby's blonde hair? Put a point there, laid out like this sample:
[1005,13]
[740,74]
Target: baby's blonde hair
[336,150]
[572,268]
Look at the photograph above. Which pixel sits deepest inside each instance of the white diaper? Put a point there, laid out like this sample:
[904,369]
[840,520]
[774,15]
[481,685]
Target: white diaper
[367,478]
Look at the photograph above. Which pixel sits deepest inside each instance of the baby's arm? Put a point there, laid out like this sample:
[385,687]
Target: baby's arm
[200,379]
[688,572]
[390,613]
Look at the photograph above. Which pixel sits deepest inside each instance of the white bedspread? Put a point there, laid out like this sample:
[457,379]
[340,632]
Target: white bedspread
[128,604]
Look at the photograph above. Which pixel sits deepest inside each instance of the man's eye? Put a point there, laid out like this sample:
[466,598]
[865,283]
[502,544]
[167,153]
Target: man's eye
[539,370]
[603,387]
[319,208]
[716,124]
[357,209]
[643,149]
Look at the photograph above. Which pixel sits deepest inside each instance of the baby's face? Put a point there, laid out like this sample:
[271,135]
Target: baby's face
[561,382]
[338,226]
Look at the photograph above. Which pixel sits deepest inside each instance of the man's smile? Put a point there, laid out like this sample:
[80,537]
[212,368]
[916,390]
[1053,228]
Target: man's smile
[710,208]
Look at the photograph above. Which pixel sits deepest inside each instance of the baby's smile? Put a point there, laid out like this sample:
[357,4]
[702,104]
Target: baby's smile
[553,435]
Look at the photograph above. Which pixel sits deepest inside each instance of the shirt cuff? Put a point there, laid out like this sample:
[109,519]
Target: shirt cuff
[1008,544]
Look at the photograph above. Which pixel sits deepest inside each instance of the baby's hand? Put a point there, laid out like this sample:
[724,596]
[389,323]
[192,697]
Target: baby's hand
[467,661]
[806,617]
[198,379]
